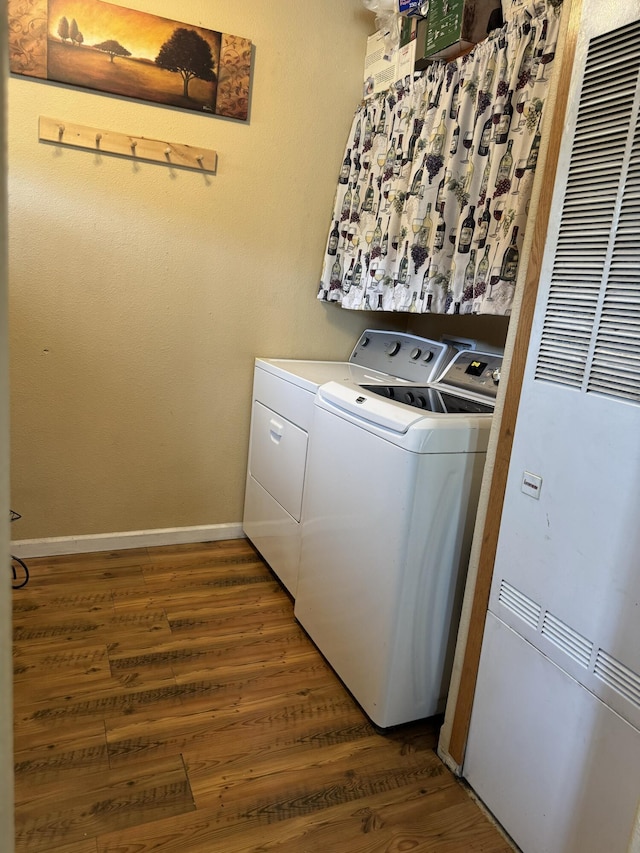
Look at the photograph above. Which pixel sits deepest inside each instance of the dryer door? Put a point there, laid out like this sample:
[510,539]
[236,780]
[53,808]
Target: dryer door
[277,457]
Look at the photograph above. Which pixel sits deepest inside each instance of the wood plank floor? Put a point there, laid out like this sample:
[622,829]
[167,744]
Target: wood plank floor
[166,700]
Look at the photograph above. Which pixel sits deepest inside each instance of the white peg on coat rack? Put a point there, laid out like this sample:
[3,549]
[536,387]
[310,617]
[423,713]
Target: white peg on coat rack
[141,148]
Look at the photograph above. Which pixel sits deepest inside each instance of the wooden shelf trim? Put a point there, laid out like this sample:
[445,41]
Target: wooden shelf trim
[124,145]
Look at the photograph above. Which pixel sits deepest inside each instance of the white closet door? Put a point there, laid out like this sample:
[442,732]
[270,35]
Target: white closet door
[565,599]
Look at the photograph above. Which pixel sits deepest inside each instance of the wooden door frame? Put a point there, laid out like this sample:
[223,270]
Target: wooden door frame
[487,556]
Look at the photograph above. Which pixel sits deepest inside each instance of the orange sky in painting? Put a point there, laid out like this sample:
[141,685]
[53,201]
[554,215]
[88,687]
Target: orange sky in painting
[138,32]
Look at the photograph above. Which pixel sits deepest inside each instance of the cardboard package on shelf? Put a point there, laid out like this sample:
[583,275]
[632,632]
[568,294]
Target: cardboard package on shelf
[413,8]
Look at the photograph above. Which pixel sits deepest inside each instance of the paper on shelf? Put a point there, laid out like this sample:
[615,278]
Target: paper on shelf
[383,67]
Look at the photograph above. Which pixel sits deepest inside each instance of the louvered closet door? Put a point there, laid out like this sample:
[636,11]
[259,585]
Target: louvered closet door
[554,743]
[591,322]
[567,574]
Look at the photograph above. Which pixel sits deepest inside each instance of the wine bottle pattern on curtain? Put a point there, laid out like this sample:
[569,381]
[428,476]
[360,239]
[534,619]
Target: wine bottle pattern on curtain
[433,193]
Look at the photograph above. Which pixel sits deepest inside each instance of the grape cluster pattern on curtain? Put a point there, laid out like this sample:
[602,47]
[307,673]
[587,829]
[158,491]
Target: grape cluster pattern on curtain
[433,193]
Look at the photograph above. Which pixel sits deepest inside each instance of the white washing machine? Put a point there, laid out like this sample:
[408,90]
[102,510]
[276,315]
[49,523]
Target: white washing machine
[392,485]
[281,423]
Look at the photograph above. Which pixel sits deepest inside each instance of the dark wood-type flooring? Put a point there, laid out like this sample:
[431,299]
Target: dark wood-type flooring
[166,700]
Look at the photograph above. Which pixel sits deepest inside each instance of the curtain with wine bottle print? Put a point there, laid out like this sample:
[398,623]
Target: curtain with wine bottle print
[433,194]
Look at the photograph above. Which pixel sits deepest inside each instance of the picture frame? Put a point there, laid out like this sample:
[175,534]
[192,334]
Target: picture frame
[97,45]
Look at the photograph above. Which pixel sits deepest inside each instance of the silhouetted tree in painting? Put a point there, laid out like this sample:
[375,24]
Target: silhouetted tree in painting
[113,48]
[74,33]
[189,54]
[63,28]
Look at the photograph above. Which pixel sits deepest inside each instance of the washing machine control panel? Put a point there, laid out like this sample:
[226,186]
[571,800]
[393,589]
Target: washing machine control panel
[477,372]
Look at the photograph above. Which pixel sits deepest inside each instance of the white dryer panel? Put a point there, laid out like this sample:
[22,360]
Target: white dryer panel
[274,532]
[284,396]
[277,457]
[282,416]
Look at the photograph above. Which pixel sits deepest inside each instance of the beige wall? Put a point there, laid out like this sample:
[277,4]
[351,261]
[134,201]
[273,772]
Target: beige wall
[140,295]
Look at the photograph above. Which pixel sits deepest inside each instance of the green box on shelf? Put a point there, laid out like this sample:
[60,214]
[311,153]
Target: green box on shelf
[408,28]
[444,25]
[453,27]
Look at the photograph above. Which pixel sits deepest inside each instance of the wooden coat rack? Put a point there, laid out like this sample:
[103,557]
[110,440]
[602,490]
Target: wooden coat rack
[135,147]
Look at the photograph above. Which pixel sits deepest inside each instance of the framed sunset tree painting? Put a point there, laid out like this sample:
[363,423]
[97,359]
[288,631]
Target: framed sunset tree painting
[109,48]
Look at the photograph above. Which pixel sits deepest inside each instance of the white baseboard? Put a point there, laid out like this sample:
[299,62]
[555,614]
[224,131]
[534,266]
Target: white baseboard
[57,545]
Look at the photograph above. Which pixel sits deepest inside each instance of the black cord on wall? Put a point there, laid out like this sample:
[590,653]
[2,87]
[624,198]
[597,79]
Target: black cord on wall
[18,566]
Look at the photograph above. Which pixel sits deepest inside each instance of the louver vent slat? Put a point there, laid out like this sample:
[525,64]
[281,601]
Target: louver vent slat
[566,639]
[632,200]
[599,229]
[616,385]
[569,356]
[597,82]
[613,347]
[519,604]
[601,182]
[595,280]
[618,676]
[607,388]
[620,312]
[620,378]
[566,271]
[625,243]
[569,332]
[615,367]
[624,321]
[569,337]
[570,365]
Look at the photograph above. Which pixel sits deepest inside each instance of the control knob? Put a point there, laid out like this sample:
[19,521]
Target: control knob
[409,398]
[415,354]
[496,376]
[393,348]
[427,356]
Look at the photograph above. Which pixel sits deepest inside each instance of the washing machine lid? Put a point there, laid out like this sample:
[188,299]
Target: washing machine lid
[439,430]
